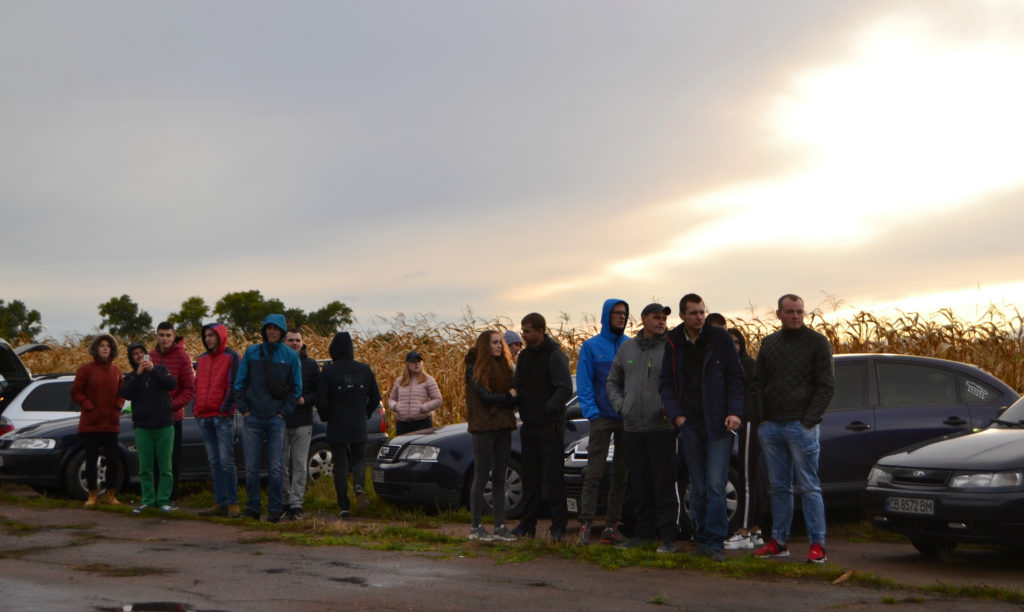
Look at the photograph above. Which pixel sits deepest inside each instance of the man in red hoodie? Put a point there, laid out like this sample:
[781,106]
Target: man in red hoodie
[215,414]
[170,353]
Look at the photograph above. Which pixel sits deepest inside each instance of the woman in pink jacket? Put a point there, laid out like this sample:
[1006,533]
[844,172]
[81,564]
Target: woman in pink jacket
[414,396]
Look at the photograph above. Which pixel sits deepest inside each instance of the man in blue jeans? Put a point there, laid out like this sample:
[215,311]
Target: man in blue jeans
[702,391]
[794,378]
[214,410]
[268,385]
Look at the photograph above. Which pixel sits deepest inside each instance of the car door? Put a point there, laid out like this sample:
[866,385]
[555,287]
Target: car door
[194,462]
[846,429]
[916,402]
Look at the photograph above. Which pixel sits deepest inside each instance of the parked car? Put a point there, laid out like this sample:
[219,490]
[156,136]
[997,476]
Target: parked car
[881,403]
[17,384]
[967,487]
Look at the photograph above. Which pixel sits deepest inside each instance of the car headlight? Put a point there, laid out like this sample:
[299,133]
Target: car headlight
[987,480]
[879,477]
[420,452]
[34,443]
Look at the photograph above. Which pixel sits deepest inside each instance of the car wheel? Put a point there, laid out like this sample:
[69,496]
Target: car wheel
[937,549]
[321,461]
[75,484]
[514,500]
[731,501]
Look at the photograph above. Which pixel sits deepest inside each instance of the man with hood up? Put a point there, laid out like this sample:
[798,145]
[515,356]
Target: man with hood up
[170,352]
[215,415]
[268,384]
[346,396]
[148,388]
[595,361]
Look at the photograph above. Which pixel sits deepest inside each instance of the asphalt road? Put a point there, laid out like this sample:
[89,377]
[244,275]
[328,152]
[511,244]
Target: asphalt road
[94,560]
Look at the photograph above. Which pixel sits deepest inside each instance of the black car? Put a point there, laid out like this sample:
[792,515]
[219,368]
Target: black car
[50,456]
[963,488]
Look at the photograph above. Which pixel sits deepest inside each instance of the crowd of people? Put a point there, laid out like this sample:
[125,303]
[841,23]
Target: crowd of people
[690,394]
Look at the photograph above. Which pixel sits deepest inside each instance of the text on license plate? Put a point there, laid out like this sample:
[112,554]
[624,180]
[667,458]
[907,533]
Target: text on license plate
[572,504]
[377,475]
[910,505]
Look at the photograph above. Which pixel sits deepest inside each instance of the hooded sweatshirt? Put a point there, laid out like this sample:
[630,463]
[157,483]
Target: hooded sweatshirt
[97,390]
[215,377]
[347,394]
[149,393]
[633,381]
[179,364]
[595,360]
[282,363]
[543,382]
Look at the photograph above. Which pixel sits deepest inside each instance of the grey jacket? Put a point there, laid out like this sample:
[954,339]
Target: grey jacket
[632,384]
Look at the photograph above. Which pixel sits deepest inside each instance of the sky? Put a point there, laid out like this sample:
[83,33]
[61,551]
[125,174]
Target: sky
[505,157]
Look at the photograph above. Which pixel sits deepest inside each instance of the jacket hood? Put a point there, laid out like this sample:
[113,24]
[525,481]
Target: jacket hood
[341,347]
[606,314]
[96,342]
[222,333]
[470,356]
[276,320]
[131,347]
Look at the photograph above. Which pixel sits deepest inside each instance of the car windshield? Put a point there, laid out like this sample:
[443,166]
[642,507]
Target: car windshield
[1014,415]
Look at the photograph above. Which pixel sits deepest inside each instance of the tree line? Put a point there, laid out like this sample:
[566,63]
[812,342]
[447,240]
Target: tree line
[242,311]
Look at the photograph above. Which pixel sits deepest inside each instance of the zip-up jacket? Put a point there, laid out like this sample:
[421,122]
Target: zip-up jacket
[415,400]
[283,364]
[303,414]
[149,394]
[595,360]
[794,377]
[633,382]
[215,377]
[543,382]
[721,382]
[179,364]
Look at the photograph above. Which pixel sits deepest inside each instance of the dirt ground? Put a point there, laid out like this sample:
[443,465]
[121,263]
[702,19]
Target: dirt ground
[95,560]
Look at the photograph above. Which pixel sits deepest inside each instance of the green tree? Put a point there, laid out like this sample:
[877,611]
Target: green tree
[296,317]
[327,320]
[245,310]
[124,319]
[190,317]
[17,322]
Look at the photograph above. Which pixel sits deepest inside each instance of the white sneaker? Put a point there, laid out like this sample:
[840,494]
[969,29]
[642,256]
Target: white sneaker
[480,533]
[738,542]
[756,539]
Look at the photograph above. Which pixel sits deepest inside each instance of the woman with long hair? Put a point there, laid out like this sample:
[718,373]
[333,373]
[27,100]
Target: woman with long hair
[490,415]
[414,396]
[97,390]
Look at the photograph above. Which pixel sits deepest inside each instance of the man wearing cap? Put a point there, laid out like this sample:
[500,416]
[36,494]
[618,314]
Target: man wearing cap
[514,342]
[267,387]
[702,390]
[648,442]
[414,396]
[595,360]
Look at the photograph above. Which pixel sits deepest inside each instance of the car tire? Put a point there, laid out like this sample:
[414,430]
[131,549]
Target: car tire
[321,461]
[934,548]
[731,503]
[75,485]
[515,501]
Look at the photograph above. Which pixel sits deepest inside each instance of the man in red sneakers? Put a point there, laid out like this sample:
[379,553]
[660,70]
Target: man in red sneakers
[794,378]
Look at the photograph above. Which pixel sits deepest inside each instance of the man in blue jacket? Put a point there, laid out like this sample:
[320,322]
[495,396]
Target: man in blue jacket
[702,390]
[595,361]
[267,386]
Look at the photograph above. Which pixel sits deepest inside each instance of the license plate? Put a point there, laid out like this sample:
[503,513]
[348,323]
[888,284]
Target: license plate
[573,504]
[377,475]
[910,505]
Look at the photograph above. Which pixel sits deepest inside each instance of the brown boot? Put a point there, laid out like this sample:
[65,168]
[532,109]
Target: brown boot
[93,498]
[234,511]
[108,498]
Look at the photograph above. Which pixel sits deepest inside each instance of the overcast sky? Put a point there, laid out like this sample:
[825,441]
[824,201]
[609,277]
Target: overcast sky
[426,157]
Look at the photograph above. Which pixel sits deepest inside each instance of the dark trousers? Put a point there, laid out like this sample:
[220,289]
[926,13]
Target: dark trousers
[343,454]
[93,441]
[490,458]
[651,457]
[404,427]
[543,457]
[751,487]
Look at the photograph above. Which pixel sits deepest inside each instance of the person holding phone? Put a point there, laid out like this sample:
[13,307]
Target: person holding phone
[148,388]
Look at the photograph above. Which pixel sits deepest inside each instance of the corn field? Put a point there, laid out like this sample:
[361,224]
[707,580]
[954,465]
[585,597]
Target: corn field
[994,342]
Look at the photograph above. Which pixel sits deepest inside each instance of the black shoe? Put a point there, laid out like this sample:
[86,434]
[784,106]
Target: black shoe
[522,532]
[274,518]
[252,514]
[344,514]
[557,534]
[630,543]
[295,514]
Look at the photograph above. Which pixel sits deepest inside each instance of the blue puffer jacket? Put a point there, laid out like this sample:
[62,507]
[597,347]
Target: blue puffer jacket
[595,361]
[251,389]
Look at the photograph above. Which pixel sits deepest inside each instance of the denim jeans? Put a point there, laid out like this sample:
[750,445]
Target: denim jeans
[253,432]
[296,464]
[790,449]
[219,438]
[155,448]
[707,461]
[602,431]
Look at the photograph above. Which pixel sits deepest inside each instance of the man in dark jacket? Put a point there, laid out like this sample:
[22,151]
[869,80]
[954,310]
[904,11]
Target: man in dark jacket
[346,396]
[543,383]
[794,378]
[299,430]
[702,389]
[268,384]
[148,388]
